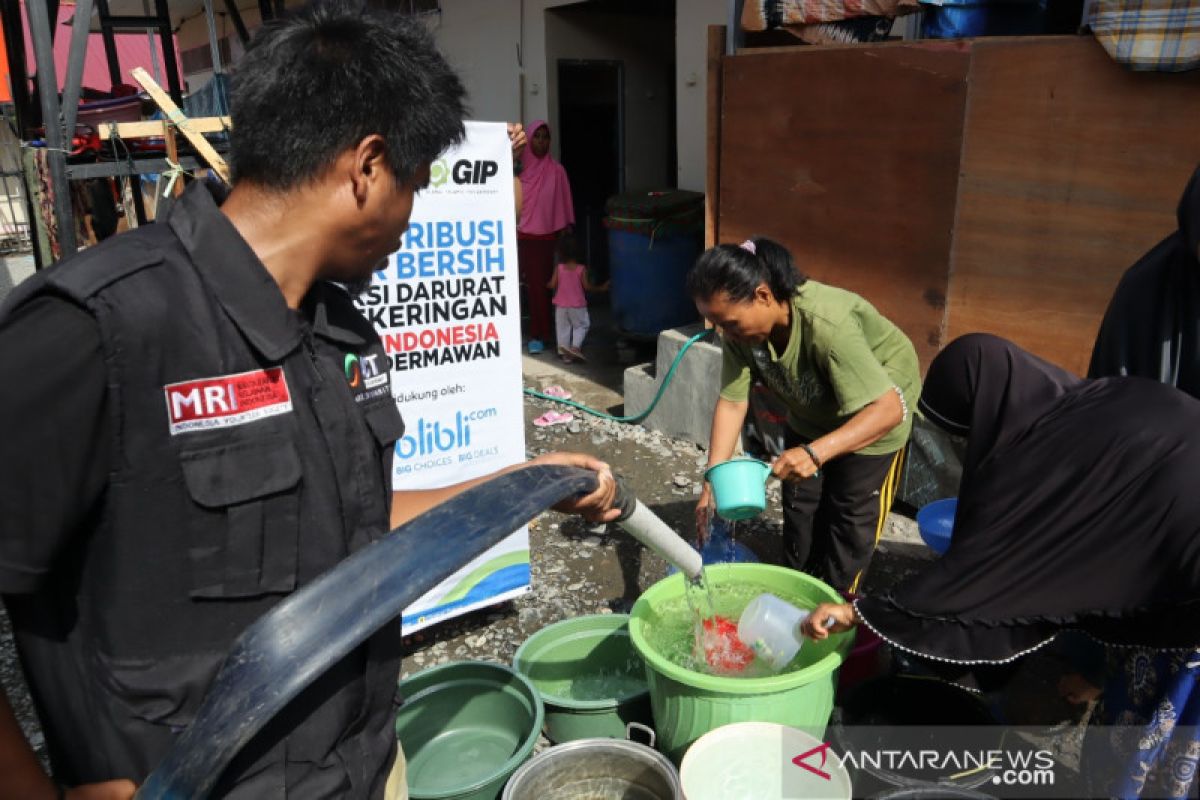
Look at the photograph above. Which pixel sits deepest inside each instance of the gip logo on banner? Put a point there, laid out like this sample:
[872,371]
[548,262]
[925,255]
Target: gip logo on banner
[439,173]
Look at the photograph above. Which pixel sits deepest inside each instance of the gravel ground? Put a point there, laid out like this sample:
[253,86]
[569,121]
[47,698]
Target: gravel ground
[13,681]
[581,569]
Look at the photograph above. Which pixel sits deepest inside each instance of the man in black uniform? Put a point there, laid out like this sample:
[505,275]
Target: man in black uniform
[184,446]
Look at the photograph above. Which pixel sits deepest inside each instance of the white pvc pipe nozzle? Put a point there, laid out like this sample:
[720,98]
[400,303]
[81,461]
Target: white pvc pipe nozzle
[645,526]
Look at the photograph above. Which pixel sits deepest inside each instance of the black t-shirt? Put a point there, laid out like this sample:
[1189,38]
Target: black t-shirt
[57,453]
[182,451]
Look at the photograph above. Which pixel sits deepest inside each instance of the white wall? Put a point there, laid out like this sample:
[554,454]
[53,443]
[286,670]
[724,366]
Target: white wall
[481,37]
[643,47]
[485,42]
[692,18]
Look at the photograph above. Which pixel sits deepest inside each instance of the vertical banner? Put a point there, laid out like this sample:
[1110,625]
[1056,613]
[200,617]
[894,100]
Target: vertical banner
[447,310]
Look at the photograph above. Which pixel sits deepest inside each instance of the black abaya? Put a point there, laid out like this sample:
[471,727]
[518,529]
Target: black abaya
[1079,507]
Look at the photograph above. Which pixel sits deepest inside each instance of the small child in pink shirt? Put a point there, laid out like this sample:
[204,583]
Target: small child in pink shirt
[569,284]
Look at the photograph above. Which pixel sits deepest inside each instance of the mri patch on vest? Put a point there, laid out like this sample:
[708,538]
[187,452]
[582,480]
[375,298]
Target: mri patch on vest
[227,400]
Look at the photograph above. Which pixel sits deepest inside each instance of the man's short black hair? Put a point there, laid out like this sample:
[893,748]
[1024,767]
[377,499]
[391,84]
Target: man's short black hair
[318,81]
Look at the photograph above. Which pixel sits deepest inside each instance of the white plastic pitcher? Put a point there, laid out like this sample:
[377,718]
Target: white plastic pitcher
[771,628]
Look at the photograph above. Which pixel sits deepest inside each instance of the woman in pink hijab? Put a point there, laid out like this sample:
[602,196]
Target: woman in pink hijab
[546,211]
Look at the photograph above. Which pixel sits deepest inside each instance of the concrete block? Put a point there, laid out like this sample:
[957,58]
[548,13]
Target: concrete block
[686,408]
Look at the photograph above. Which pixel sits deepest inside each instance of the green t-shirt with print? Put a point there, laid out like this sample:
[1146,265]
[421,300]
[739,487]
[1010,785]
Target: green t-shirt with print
[842,356]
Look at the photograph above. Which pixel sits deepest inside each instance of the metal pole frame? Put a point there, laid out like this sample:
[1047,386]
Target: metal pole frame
[238,23]
[14,43]
[733,30]
[56,156]
[171,63]
[214,45]
[53,14]
[155,61]
[110,43]
[73,86]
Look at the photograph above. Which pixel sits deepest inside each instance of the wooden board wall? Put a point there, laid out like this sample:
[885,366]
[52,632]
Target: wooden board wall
[994,184]
[849,156]
[1072,169]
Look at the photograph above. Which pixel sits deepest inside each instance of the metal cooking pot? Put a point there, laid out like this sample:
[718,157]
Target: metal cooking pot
[599,768]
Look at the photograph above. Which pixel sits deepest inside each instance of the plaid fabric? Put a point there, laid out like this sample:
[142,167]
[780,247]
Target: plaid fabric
[1149,35]
[762,15]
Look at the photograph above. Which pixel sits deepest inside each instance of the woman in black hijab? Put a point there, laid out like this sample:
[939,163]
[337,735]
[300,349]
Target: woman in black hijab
[1079,508]
[1152,326]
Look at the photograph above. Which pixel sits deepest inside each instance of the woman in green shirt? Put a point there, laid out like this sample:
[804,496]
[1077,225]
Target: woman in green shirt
[848,378]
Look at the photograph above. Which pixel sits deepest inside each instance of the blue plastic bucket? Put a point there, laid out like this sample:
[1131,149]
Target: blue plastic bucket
[935,521]
[739,487]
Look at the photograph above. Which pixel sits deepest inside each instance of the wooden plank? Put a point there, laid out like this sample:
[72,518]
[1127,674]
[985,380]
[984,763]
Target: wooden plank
[1072,169]
[152,128]
[849,156]
[712,179]
[176,116]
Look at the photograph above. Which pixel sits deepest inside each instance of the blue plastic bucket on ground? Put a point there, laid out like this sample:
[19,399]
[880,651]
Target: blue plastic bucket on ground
[739,487]
[935,522]
[722,548]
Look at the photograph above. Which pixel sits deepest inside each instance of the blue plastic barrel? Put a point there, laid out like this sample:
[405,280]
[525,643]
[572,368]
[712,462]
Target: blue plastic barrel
[648,277]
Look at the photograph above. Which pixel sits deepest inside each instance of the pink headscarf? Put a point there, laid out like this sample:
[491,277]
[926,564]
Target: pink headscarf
[546,205]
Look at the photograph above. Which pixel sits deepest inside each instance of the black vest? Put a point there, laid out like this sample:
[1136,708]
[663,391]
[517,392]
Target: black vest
[252,451]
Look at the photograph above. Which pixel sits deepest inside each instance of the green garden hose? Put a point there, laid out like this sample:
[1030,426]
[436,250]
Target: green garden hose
[658,395]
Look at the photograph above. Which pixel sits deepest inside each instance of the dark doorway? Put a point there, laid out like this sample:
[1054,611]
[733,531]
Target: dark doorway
[591,147]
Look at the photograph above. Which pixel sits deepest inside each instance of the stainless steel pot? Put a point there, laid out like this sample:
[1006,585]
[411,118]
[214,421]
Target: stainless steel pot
[597,769]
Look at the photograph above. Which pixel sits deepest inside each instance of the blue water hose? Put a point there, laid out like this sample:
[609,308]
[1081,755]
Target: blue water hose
[658,395]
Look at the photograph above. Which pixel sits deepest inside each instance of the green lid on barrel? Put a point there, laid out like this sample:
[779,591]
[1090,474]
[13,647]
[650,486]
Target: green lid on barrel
[668,210]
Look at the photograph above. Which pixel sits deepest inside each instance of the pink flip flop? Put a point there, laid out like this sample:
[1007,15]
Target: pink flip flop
[557,391]
[553,418]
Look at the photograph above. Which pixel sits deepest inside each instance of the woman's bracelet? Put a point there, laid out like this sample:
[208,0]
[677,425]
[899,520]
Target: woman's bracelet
[813,455]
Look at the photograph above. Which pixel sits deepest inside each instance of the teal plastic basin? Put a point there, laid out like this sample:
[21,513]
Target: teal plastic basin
[739,487]
[465,728]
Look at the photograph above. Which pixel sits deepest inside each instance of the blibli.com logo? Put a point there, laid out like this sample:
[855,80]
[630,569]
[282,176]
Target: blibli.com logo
[431,437]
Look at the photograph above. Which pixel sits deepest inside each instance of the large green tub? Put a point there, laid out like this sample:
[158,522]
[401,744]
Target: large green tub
[465,728]
[688,704]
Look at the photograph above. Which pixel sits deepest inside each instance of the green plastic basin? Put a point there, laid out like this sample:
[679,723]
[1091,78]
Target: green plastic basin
[687,704]
[465,728]
[589,675]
